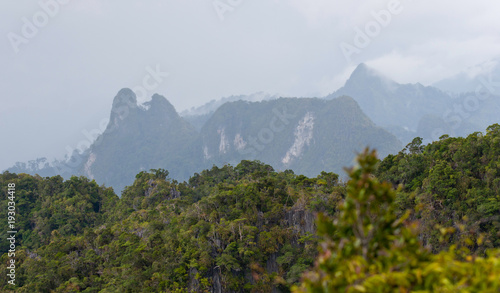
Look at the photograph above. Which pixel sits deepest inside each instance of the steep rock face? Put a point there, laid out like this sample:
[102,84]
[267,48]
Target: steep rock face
[305,135]
[139,138]
[300,219]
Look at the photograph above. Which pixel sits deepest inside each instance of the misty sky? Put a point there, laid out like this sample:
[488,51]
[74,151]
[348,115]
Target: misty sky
[61,81]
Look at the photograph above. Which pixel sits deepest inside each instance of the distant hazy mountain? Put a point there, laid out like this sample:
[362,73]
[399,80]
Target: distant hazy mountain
[471,78]
[390,104]
[40,166]
[305,135]
[410,110]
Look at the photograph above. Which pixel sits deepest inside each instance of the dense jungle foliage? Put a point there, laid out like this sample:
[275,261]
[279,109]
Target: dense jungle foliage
[432,226]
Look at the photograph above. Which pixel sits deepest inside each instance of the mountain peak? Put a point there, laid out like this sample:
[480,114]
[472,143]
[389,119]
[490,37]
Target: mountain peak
[365,75]
[362,71]
[125,97]
[362,66]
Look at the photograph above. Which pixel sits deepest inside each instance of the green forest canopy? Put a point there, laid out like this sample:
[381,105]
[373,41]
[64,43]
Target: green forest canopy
[434,225]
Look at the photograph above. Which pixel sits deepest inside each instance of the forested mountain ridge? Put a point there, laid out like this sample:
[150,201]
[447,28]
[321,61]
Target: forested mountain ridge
[249,228]
[303,134]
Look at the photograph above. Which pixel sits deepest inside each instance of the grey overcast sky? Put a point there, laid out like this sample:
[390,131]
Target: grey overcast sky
[63,61]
